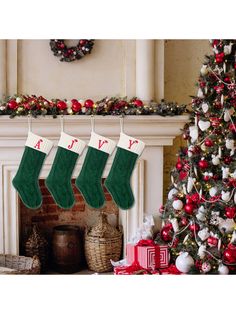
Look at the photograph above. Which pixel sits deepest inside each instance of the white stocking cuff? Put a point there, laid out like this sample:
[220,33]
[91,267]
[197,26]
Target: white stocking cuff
[71,143]
[131,144]
[39,143]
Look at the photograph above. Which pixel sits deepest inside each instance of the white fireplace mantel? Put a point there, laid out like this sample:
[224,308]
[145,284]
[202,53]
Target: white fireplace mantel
[147,179]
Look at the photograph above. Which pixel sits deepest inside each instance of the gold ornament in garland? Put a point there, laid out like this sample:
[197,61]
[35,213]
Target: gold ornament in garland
[69,54]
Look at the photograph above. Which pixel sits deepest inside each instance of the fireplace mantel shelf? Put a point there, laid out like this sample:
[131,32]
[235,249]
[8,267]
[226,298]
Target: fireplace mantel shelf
[147,177]
[154,130]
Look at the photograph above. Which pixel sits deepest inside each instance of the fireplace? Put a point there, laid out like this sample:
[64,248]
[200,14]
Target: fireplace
[147,178]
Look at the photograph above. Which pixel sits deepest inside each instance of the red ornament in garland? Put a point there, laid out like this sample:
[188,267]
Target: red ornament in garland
[88,103]
[209,142]
[138,103]
[61,105]
[12,104]
[166,233]
[203,164]
[76,106]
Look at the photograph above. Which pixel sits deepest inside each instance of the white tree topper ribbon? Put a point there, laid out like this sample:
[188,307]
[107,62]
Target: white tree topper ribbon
[39,143]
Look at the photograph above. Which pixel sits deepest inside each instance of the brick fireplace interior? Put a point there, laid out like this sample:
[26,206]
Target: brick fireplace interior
[50,215]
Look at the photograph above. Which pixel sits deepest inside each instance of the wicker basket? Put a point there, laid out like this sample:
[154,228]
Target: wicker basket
[16,264]
[102,243]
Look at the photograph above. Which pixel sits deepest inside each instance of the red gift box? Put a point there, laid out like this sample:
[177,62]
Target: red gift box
[147,254]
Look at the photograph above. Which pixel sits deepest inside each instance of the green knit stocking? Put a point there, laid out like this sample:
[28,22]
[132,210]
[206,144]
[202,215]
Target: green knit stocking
[118,180]
[89,179]
[58,181]
[26,178]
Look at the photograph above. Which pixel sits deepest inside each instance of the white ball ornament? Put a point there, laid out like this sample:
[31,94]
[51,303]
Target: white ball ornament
[171,193]
[223,270]
[178,204]
[225,196]
[206,267]
[184,262]
[18,100]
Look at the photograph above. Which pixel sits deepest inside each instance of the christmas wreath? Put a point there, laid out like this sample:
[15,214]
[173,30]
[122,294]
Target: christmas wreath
[73,53]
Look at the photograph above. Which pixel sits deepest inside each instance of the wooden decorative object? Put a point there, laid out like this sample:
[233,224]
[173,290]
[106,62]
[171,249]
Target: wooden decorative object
[103,242]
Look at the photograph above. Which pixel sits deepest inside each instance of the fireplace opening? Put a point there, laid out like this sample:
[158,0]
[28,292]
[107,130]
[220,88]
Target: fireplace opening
[49,215]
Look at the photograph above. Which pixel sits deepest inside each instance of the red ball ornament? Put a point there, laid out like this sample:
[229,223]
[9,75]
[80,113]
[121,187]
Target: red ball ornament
[203,164]
[179,165]
[166,233]
[12,104]
[194,227]
[184,221]
[227,160]
[76,106]
[61,105]
[212,241]
[229,255]
[27,106]
[209,142]
[82,42]
[230,212]
[138,103]
[88,103]
[188,208]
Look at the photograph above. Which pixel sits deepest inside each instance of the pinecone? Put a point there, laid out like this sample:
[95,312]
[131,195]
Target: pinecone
[37,245]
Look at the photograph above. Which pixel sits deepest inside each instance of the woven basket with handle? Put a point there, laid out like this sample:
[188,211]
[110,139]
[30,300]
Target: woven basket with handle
[15,264]
[103,242]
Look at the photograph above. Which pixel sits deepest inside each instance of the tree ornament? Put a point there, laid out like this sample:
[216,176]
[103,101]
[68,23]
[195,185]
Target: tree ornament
[194,227]
[226,225]
[179,165]
[205,107]
[215,160]
[177,204]
[203,164]
[201,215]
[193,133]
[213,191]
[229,255]
[200,93]
[203,234]
[184,221]
[225,172]
[12,104]
[175,224]
[229,144]
[223,269]
[204,70]
[184,262]
[202,251]
[212,241]
[167,233]
[88,103]
[204,125]
[61,105]
[206,267]
[189,208]
[171,193]
[228,113]
[190,184]
[228,49]
[227,160]
[225,196]
[230,212]
[208,142]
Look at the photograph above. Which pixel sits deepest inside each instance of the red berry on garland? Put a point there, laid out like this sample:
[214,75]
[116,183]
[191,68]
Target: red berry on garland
[138,103]
[166,233]
[203,164]
[188,208]
[230,212]
[61,105]
[179,165]
[12,104]
[76,106]
[88,103]
[212,241]
[209,142]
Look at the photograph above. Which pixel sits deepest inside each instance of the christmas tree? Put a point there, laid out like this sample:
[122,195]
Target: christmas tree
[199,217]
